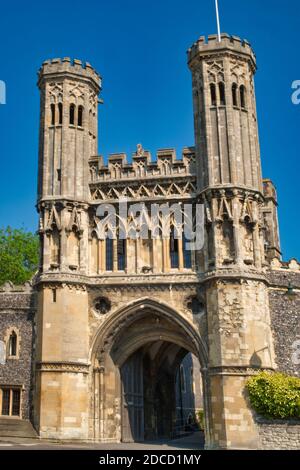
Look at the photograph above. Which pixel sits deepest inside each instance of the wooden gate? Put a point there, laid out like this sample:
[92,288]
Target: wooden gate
[132,399]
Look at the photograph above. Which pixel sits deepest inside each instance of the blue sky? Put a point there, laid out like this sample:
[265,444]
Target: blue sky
[139,47]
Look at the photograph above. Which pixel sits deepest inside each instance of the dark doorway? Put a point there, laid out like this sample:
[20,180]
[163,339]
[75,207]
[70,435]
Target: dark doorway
[133,399]
[149,393]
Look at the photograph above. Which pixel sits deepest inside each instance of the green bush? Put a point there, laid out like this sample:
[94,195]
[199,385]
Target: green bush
[275,395]
[19,255]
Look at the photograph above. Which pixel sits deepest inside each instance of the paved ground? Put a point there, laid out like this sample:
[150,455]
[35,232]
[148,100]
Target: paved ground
[192,442]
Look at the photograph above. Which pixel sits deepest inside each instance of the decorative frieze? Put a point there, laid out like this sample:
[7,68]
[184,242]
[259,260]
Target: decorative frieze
[68,367]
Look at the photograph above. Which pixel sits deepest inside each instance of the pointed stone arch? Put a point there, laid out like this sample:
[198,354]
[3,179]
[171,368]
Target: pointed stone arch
[121,335]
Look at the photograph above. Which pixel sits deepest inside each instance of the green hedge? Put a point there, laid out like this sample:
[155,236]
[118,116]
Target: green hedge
[19,255]
[275,395]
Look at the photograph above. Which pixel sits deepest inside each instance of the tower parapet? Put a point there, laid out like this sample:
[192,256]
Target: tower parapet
[166,165]
[74,68]
[228,43]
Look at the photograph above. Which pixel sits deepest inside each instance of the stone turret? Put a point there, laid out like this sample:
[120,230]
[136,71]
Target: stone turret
[230,185]
[68,127]
[68,137]
[225,113]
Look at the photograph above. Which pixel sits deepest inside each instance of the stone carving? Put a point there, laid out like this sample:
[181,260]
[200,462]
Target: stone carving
[152,191]
[63,367]
[215,71]
[74,222]
[102,305]
[55,92]
[139,150]
[53,220]
[77,91]
[195,305]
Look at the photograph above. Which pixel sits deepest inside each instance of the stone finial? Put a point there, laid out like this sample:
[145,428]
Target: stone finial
[8,286]
[139,150]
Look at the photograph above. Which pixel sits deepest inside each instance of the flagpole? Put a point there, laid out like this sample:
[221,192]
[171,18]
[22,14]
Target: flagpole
[218,21]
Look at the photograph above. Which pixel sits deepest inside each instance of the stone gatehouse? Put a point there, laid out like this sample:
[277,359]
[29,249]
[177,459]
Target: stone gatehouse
[102,329]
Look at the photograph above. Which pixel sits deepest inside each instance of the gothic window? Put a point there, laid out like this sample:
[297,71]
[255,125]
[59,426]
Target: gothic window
[234,94]
[60,113]
[109,250]
[222,94]
[12,344]
[121,247]
[72,114]
[80,116]
[187,254]
[243,96]
[52,114]
[10,399]
[174,250]
[213,94]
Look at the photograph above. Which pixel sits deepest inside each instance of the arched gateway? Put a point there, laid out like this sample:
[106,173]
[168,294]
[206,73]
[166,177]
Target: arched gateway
[135,357]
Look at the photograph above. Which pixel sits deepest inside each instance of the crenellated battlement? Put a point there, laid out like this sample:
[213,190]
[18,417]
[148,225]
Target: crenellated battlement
[205,46]
[292,266]
[70,66]
[10,287]
[142,166]
[269,190]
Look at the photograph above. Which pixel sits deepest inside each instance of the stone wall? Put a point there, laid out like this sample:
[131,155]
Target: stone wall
[17,312]
[285,318]
[279,434]
[285,322]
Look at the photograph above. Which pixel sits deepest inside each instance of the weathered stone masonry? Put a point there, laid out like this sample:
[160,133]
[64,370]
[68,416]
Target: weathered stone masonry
[285,315]
[279,434]
[17,311]
[114,319]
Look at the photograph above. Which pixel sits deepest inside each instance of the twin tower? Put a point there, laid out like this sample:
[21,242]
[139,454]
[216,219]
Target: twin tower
[93,293]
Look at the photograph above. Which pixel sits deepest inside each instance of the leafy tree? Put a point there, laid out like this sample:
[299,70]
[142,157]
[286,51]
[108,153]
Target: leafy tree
[275,395]
[19,255]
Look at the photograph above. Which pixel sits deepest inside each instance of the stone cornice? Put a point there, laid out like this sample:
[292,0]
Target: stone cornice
[167,280]
[230,190]
[117,280]
[144,179]
[70,367]
[236,370]
[48,201]
[233,275]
